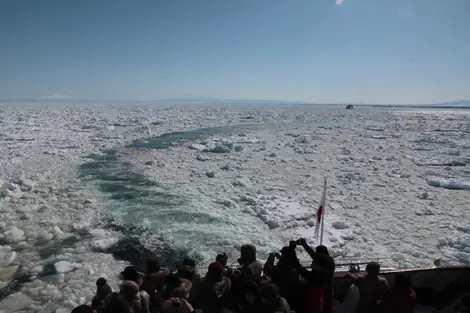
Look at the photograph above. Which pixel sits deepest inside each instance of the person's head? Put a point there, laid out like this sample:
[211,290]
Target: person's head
[189,262]
[465,301]
[129,289]
[402,281]
[215,271]
[247,254]
[251,291]
[186,272]
[152,265]
[373,269]
[172,281]
[320,261]
[180,293]
[269,293]
[222,259]
[115,303]
[101,281]
[285,251]
[82,309]
[158,279]
[130,273]
[103,289]
[321,250]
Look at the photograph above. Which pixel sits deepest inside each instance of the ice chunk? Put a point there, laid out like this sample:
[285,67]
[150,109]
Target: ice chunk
[221,149]
[239,183]
[103,244]
[6,256]
[339,225]
[201,157]
[198,147]
[98,232]
[58,233]
[14,235]
[44,238]
[448,183]
[64,267]
[7,273]
[27,183]
[15,302]
[210,174]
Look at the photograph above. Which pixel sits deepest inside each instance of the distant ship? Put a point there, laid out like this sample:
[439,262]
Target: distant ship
[349,107]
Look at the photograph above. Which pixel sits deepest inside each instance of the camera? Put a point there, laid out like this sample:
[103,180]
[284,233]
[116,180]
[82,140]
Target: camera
[293,244]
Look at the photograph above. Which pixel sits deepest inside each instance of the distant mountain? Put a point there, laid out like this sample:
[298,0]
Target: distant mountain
[223,100]
[57,96]
[457,103]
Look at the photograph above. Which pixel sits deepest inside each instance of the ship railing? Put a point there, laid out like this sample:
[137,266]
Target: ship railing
[352,264]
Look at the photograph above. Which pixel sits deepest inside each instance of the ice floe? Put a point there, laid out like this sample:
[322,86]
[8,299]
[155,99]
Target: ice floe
[259,183]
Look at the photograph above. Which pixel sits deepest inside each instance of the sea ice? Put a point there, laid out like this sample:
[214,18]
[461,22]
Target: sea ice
[15,302]
[64,267]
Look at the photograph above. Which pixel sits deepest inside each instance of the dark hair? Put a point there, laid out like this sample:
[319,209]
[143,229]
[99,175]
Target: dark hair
[321,249]
[100,282]
[373,268]
[215,270]
[402,281]
[172,281]
[153,265]
[82,309]
[269,292]
[186,272]
[130,273]
[189,262]
[115,303]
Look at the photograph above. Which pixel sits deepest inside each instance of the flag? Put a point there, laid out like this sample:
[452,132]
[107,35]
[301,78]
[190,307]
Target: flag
[320,214]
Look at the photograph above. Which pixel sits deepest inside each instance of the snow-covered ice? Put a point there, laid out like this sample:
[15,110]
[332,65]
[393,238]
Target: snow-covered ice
[74,185]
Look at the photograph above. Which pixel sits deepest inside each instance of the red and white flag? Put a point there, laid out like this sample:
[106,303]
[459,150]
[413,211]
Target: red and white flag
[320,214]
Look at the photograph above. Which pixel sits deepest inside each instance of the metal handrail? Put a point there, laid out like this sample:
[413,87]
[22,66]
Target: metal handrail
[401,262]
[344,262]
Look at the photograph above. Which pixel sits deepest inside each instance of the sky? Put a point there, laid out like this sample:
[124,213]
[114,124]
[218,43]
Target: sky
[321,51]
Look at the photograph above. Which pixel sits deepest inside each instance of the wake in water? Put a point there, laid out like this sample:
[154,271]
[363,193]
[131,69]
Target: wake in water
[85,192]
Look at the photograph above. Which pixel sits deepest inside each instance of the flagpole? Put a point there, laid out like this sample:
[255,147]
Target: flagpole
[323,213]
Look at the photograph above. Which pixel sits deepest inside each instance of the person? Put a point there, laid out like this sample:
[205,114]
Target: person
[102,291]
[271,301]
[136,299]
[401,298]
[250,266]
[329,272]
[130,274]
[222,258]
[83,309]
[316,279]
[372,288]
[154,287]
[250,302]
[117,303]
[171,282]
[186,272]
[214,293]
[284,275]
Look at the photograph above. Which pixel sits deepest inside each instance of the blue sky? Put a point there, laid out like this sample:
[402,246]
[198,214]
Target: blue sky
[368,51]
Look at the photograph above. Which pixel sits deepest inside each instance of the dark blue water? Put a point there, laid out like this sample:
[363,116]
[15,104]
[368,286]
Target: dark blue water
[137,197]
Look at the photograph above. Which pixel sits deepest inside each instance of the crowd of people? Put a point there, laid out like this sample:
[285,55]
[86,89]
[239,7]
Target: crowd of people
[281,284]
